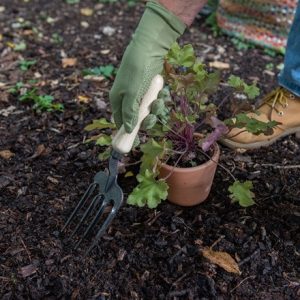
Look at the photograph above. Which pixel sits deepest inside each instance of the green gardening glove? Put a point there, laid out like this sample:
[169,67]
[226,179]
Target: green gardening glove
[142,60]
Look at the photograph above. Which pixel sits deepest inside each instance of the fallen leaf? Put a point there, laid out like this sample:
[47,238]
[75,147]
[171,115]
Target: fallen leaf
[129,174]
[1,37]
[222,259]
[40,150]
[6,154]
[219,65]
[27,270]
[68,62]
[86,11]
[83,99]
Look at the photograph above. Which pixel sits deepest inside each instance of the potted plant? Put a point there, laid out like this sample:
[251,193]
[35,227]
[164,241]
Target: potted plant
[179,144]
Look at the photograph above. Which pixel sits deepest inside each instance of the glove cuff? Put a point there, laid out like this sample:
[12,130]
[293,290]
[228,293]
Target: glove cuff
[173,21]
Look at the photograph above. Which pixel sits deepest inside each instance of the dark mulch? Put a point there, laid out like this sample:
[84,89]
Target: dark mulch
[146,254]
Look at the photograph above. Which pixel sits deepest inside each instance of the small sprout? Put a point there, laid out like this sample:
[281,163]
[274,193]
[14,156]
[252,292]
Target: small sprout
[26,64]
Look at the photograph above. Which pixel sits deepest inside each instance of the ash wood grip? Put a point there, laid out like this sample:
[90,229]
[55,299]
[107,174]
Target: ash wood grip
[123,141]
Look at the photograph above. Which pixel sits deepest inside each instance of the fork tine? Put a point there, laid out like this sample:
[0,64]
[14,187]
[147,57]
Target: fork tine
[93,223]
[86,195]
[103,227]
[87,213]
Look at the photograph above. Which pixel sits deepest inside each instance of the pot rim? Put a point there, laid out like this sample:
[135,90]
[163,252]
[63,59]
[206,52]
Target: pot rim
[212,160]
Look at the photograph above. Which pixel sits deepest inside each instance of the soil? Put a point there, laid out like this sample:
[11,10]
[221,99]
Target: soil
[146,254]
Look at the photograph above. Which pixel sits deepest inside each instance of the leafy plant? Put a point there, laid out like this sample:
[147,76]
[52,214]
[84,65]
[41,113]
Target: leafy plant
[40,102]
[56,38]
[26,64]
[107,71]
[182,109]
[16,88]
[20,46]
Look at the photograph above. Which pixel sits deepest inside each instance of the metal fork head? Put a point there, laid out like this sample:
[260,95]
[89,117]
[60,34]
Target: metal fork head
[95,200]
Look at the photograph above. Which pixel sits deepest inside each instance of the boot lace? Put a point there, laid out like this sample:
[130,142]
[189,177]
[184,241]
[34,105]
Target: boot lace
[278,99]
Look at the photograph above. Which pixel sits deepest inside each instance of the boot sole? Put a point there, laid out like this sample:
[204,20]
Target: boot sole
[234,145]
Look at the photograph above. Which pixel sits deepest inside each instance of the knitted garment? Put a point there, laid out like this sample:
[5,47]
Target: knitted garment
[263,22]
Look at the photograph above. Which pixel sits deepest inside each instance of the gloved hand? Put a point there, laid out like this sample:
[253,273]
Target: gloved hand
[142,60]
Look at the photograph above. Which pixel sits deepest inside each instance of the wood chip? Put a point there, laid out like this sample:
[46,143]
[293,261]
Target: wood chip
[83,99]
[121,254]
[104,52]
[86,11]
[40,150]
[68,62]
[222,259]
[27,270]
[52,180]
[219,65]
[6,154]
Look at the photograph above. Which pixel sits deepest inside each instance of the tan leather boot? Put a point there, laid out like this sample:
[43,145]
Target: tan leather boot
[281,106]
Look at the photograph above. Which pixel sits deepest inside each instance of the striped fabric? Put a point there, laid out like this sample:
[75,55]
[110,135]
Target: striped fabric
[263,22]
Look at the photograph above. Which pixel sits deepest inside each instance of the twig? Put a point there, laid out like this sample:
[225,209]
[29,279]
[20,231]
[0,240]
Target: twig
[219,164]
[281,167]
[252,277]
[28,253]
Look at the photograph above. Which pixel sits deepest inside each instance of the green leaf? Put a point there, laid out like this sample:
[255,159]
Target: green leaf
[158,107]
[26,64]
[152,152]
[104,140]
[100,124]
[105,154]
[15,89]
[241,192]
[20,47]
[252,125]
[149,122]
[252,91]
[149,191]
[184,56]
[235,82]
[106,71]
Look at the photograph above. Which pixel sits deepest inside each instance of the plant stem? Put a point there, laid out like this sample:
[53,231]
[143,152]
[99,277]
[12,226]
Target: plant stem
[219,164]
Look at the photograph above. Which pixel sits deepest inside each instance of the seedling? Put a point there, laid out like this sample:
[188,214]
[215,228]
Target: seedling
[40,102]
[56,38]
[26,64]
[107,71]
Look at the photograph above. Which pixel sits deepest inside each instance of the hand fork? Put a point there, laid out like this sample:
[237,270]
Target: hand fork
[105,184]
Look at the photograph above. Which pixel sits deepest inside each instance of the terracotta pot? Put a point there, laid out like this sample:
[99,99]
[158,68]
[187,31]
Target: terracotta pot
[190,186]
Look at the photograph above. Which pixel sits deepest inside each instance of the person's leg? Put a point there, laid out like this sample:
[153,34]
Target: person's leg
[281,105]
[290,75]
